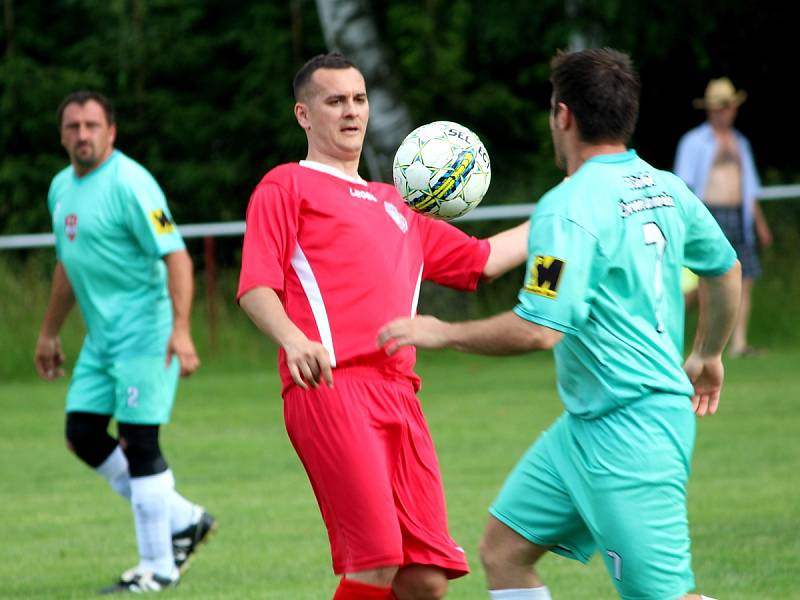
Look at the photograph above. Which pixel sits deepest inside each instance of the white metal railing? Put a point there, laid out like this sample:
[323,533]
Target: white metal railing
[233,228]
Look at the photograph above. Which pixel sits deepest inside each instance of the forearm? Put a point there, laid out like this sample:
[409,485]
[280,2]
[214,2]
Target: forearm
[61,302]
[719,303]
[181,287]
[500,335]
[266,311]
[758,215]
[509,249]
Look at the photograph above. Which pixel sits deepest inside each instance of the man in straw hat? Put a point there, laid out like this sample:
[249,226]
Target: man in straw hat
[716,161]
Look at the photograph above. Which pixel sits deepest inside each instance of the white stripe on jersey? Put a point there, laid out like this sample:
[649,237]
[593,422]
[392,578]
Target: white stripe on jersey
[314,294]
[416,292]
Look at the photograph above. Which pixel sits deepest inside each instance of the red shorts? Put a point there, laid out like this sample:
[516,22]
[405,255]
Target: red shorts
[369,456]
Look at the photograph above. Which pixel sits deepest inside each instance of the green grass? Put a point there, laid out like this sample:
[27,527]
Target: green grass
[65,534]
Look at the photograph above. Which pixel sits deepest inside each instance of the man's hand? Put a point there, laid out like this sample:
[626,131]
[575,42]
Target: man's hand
[421,331]
[706,374]
[48,357]
[309,363]
[181,345]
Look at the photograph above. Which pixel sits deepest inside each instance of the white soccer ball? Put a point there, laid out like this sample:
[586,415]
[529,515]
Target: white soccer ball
[442,170]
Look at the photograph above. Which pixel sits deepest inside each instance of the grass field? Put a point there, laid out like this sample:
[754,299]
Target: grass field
[65,534]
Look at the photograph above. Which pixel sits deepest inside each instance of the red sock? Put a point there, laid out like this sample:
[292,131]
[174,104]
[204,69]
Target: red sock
[350,589]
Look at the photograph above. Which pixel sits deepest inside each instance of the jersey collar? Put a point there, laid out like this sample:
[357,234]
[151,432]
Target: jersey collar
[617,157]
[318,166]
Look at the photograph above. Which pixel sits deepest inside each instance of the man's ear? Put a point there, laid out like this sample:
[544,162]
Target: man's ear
[301,114]
[563,116]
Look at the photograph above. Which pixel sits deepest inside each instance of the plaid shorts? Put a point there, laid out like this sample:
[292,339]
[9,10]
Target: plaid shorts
[731,222]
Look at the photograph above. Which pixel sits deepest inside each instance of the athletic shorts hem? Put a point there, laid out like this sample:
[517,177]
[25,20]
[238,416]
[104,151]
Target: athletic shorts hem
[93,411]
[90,410]
[453,569]
[565,551]
[366,565]
[675,596]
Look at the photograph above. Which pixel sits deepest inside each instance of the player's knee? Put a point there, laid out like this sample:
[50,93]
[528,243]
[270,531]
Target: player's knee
[490,556]
[87,437]
[420,583]
[502,548]
[141,448]
[496,557]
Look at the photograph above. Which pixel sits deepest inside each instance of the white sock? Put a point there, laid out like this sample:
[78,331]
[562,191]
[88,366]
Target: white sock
[182,513]
[707,598]
[114,469]
[150,497]
[537,593]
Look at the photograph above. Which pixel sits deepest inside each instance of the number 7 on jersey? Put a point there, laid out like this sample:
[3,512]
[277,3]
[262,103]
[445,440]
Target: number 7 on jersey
[654,236]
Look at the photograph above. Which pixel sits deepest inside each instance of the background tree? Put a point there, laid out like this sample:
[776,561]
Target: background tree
[204,96]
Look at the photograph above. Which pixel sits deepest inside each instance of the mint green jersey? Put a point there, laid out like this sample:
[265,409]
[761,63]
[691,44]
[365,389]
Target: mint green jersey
[606,250]
[112,226]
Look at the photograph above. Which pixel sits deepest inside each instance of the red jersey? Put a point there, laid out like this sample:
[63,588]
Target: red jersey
[346,256]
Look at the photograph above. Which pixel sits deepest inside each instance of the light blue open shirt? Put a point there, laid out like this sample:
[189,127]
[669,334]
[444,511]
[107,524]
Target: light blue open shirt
[696,152]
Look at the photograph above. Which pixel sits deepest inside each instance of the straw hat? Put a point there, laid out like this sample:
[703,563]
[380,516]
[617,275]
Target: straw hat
[720,92]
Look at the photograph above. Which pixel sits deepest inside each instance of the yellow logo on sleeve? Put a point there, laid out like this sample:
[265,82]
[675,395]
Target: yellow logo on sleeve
[161,222]
[545,274]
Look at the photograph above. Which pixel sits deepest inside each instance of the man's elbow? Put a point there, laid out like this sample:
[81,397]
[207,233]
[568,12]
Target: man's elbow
[548,338]
[734,277]
[489,275]
[538,337]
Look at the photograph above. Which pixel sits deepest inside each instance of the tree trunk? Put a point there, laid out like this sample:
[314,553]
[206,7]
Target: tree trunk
[8,18]
[581,37]
[349,27]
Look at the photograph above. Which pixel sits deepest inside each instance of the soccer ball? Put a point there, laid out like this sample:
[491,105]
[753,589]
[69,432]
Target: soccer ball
[442,170]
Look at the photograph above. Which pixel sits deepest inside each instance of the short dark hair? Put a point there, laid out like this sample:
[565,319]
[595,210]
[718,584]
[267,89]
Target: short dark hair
[332,60]
[601,88]
[81,97]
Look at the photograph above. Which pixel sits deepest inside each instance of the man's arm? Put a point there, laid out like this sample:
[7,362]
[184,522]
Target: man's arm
[762,229]
[181,290]
[509,249]
[499,335]
[719,303]
[48,357]
[308,361]
[685,161]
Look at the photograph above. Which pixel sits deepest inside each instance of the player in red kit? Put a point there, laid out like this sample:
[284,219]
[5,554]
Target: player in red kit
[328,259]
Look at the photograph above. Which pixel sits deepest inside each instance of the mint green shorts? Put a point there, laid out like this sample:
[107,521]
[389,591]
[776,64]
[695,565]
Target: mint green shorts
[139,390]
[615,484]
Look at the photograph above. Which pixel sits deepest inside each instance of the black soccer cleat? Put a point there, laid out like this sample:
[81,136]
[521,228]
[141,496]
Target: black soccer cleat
[185,543]
[135,581]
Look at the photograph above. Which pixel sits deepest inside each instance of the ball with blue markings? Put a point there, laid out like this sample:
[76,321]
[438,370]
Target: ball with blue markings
[442,170]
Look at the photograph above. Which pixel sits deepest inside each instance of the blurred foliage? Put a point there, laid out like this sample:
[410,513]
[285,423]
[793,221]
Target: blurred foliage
[203,88]
[202,91]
